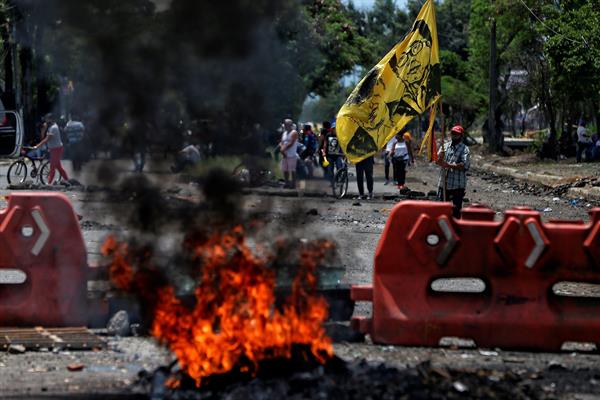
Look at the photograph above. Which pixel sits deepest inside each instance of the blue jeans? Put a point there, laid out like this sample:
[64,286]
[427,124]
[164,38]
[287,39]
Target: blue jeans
[37,153]
[335,163]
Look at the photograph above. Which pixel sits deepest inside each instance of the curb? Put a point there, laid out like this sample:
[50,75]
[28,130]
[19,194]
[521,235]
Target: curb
[592,193]
[551,181]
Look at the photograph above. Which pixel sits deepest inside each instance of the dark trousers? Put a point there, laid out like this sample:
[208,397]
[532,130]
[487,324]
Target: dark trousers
[581,148]
[365,167]
[399,170]
[386,167]
[455,196]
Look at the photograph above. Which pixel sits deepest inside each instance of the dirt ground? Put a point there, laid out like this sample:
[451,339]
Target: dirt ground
[355,226]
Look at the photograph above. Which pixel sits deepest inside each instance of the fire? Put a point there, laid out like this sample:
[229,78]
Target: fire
[119,271]
[235,322]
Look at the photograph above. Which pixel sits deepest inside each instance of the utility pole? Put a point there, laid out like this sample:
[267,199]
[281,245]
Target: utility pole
[494,137]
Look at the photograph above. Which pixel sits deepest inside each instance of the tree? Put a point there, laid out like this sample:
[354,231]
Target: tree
[497,32]
[138,73]
[573,34]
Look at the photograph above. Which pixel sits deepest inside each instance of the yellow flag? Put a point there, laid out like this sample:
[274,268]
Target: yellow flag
[406,82]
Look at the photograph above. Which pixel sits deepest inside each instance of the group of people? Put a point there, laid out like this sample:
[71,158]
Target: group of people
[588,144]
[297,146]
[453,159]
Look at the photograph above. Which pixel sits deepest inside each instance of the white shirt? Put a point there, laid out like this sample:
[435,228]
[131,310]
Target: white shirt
[286,138]
[390,145]
[191,153]
[401,150]
[582,135]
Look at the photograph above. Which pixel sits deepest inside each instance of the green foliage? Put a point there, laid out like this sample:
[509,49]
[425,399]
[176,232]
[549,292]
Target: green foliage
[240,63]
[453,26]
[386,25]
[453,65]
[340,45]
[464,102]
[574,50]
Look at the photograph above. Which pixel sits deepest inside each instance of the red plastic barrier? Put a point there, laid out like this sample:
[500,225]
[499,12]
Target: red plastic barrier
[518,259]
[41,244]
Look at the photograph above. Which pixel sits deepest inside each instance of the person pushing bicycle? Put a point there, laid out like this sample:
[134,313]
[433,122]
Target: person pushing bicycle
[332,152]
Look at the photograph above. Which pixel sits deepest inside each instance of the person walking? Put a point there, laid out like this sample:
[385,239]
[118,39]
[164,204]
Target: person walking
[402,155]
[332,151]
[455,160]
[388,155]
[76,143]
[365,167]
[309,140]
[55,147]
[325,129]
[288,146]
[584,141]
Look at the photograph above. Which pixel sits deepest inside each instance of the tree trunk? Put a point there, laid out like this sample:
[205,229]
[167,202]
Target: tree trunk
[495,141]
[8,97]
[26,61]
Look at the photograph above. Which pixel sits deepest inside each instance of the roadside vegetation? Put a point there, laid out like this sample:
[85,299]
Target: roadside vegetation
[134,69]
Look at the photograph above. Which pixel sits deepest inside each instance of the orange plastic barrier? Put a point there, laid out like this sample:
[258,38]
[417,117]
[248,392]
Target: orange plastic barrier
[516,262]
[43,262]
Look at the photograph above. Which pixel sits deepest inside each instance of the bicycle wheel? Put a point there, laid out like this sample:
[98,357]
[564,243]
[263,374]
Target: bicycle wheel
[340,183]
[44,172]
[17,172]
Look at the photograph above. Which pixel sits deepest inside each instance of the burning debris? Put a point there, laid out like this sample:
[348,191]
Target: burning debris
[235,320]
[337,379]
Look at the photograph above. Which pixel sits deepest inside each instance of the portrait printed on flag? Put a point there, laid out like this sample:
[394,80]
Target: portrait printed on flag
[406,82]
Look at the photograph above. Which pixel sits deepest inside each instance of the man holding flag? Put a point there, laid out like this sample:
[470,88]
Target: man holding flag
[454,158]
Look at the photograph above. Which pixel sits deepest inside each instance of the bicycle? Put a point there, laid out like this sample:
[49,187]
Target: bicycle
[37,168]
[339,185]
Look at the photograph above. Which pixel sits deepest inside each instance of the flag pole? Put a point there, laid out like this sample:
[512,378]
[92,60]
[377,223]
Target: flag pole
[445,173]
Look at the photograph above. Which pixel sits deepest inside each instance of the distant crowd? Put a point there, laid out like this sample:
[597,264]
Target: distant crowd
[588,145]
[300,151]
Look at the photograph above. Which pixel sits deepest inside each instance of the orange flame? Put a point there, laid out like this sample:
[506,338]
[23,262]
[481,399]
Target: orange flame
[119,271]
[234,322]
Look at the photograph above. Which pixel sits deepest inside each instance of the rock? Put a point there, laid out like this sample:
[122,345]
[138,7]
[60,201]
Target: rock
[119,324]
[460,387]
[555,365]
[75,367]
[357,203]
[342,332]
[312,211]
[16,349]
[74,182]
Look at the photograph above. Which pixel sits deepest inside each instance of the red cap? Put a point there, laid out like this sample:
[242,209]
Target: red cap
[457,129]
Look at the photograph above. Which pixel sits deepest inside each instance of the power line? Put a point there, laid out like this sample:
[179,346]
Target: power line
[552,30]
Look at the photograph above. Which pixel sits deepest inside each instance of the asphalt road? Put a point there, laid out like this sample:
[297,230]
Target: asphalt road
[354,226]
